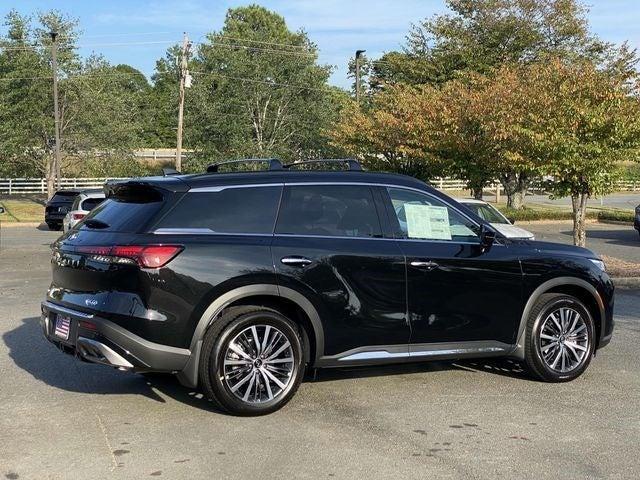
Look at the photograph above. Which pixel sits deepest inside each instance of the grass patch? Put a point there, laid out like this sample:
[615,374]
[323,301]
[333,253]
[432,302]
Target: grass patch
[22,209]
[533,212]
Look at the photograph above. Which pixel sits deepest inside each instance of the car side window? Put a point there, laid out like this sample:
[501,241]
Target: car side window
[422,216]
[329,210]
[230,210]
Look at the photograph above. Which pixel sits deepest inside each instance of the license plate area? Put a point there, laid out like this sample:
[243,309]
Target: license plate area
[62,327]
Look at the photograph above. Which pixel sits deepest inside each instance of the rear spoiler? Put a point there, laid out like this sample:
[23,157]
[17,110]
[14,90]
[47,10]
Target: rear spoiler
[140,187]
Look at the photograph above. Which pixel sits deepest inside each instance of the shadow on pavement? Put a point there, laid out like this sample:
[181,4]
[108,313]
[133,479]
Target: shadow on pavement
[31,352]
[623,235]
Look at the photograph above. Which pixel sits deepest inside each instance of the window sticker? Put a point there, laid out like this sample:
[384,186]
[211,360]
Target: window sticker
[427,221]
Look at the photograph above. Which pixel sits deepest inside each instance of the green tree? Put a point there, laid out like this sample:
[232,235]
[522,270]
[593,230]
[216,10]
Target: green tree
[591,123]
[394,132]
[99,104]
[258,91]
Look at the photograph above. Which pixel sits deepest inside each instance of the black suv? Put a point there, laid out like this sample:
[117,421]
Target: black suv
[57,207]
[237,282]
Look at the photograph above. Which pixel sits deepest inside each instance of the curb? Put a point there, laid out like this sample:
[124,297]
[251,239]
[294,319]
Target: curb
[626,282]
[616,222]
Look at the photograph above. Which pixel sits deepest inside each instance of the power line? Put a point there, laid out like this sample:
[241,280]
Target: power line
[266,82]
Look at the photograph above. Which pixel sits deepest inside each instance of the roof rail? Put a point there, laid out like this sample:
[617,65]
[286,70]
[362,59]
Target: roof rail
[353,165]
[274,163]
[169,171]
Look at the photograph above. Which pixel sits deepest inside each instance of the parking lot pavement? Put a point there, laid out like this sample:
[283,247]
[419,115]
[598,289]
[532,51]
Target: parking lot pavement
[620,241]
[60,418]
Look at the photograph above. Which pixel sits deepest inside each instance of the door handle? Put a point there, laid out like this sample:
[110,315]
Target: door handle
[424,264]
[296,261]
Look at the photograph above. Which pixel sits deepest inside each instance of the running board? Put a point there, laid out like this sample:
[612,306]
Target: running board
[380,354]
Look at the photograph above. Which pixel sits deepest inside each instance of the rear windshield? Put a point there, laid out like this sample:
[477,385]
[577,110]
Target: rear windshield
[127,210]
[91,203]
[64,197]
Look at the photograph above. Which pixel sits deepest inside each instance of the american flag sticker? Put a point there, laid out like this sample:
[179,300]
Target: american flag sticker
[63,324]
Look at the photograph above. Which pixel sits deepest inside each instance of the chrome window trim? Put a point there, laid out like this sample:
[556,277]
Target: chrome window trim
[205,231]
[220,188]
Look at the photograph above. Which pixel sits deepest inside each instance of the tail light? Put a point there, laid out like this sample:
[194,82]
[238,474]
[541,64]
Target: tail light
[79,216]
[147,256]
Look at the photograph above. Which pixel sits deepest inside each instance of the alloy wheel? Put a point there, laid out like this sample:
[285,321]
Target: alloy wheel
[564,340]
[259,364]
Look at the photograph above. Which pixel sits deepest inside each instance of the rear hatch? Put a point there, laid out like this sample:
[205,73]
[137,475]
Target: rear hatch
[99,266]
[60,203]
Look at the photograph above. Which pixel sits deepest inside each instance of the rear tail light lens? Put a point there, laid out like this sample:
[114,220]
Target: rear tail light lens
[79,216]
[147,256]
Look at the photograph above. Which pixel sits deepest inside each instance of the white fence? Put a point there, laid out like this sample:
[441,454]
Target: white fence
[39,185]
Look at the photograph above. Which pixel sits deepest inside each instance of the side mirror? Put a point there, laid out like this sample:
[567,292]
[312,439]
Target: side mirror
[1,210]
[512,220]
[487,237]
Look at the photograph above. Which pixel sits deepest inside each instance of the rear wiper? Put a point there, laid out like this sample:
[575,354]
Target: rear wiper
[93,223]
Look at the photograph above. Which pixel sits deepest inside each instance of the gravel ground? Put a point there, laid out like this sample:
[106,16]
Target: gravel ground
[60,418]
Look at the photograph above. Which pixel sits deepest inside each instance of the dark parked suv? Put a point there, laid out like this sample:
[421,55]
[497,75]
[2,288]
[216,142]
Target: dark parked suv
[237,282]
[57,207]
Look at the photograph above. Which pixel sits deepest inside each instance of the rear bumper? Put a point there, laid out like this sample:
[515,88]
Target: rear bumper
[98,340]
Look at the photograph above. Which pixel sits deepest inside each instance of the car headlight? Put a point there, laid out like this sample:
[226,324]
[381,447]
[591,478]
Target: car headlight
[599,263]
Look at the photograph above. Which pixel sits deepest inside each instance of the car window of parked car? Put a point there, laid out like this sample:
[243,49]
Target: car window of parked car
[486,212]
[422,216]
[90,203]
[232,210]
[329,210]
[63,196]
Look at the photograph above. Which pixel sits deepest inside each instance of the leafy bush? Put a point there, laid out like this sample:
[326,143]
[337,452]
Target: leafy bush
[616,215]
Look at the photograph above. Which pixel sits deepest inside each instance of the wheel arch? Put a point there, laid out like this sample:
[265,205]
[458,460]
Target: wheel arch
[576,287]
[284,299]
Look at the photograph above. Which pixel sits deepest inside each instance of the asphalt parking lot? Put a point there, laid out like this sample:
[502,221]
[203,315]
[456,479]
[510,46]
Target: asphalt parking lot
[60,418]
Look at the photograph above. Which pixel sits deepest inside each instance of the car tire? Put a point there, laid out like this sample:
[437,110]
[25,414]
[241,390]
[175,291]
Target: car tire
[252,361]
[52,226]
[559,338]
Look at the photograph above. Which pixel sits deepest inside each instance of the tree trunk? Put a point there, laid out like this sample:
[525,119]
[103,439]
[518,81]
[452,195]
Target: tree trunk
[579,204]
[50,176]
[515,186]
[476,192]
[516,200]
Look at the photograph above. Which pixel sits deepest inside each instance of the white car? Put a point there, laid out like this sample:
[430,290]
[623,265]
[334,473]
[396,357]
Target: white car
[496,219]
[86,201]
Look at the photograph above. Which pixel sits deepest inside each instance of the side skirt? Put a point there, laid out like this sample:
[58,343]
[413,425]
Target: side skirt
[384,354]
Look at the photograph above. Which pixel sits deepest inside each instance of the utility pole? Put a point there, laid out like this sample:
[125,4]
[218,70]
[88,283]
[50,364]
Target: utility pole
[54,65]
[184,73]
[358,55]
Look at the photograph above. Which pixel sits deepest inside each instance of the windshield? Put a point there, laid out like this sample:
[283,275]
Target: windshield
[487,212]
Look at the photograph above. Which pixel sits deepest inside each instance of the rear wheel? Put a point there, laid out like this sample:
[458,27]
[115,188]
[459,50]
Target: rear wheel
[252,361]
[560,338]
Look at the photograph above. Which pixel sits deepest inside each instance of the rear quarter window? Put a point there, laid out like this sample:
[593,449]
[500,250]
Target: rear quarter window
[231,210]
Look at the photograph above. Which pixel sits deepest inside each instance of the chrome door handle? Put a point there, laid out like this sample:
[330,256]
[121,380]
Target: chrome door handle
[296,261]
[426,265]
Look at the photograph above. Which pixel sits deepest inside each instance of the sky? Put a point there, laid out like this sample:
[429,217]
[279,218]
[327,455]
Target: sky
[338,27]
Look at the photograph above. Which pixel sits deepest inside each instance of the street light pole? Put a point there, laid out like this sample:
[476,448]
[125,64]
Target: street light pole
[56,112]
[358,55]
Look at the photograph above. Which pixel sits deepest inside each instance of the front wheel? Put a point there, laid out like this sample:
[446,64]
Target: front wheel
[252,361]
[560,338]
